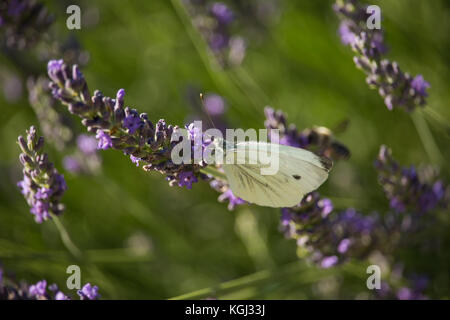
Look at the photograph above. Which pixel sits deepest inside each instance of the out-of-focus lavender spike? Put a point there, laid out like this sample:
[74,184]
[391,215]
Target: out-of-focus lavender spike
[42,185]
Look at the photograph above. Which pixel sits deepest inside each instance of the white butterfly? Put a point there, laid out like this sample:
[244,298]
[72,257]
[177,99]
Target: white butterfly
[299,172]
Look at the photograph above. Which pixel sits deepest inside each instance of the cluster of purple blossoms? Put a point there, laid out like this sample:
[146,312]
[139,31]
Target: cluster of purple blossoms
[214,20]
[319,140]
[119,127]
[398,88]
[408,189]
[403,288]
[42,291]
[327,237]
[42,185]
[88,292]
[22,22]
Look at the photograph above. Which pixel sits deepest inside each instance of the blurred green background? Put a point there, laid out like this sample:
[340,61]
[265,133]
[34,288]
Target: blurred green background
[148,240]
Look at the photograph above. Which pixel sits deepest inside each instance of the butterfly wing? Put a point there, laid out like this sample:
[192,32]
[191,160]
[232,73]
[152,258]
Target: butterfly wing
[299,173]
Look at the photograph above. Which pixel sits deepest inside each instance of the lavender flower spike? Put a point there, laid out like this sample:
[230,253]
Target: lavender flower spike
[398,88]
[119,127]
[42,185]
[407,188]
[10,290]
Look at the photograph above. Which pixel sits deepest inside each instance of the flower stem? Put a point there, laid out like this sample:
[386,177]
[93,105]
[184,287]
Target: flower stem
[427,137]
[244,281]
[220,77]
[65,238]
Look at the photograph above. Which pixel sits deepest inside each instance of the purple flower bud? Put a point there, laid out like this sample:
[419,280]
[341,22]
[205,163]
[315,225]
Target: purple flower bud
[53,67]
[87,144]
[214,104]
[135,160]
[328,262]
[233,201]
[61,296]
[43,193]
[71,164]
[347,36]
[420,85]
[25,159]
[89,292]
[104,140]
[38,289]
[222,13]
[132,123]
[40,211]
[186,179]
[326,205]
[344,245]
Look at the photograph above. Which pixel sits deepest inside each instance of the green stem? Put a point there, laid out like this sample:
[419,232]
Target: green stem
[221,78]
[244,281]
[426,137]
[443,123]
[65,238]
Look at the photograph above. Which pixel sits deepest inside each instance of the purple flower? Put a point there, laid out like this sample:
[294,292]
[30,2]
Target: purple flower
[38,289]
[40,211]
[42,185]
[135,160]
[61,296]
[289,140]
[218,41]
[222,13]
[214,104]
[71,163]
[16,7]
[420,85]
[104,140]
[87,144]
[53,287]
[132,123]
[328,262]
[326,205]
[89,292]
[54,65]
[409,294]
[43,193]
[233,201]
[347,36]
[286,217]
[25,185]
[344,245]
[11,290]
[186,179]
[117,126]
[397,204]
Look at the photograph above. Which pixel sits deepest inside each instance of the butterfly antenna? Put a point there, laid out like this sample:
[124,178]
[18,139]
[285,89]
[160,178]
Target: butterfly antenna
[206,111]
